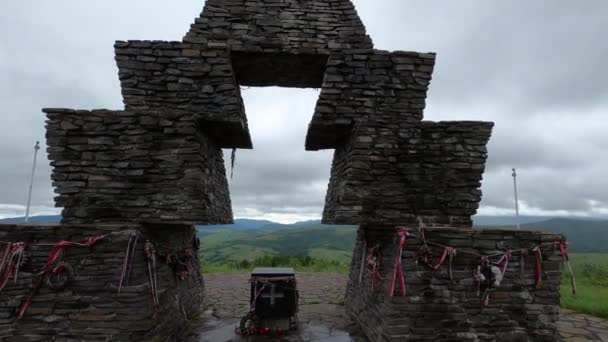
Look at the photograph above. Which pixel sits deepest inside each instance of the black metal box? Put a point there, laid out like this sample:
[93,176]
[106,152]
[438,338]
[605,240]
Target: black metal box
[274,293]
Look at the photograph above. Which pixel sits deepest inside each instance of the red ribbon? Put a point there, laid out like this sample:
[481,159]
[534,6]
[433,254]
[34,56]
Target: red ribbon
[11,261]
[447,251]
[376,277]
[373,260]
[92,240]
[55,256]
[398,270]
[563,249]
[505,262]
[7,250]
[538,256]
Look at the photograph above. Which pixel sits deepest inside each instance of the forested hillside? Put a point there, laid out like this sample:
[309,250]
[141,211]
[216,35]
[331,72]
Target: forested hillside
[226,244]
[318,241]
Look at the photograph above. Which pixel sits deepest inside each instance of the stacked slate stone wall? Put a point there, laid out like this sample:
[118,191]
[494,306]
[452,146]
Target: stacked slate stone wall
[439,309]
[362,85]
[340,195]
[160,161]
[186,82]
[444,163]
[279,43]
[389,166]
[90,307]
[113,166]
[291,26]
[428,171]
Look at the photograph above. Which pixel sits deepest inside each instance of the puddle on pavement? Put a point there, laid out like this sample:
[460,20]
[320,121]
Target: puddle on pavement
[222,330]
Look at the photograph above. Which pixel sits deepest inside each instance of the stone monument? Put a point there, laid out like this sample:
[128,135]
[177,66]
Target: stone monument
[155,168]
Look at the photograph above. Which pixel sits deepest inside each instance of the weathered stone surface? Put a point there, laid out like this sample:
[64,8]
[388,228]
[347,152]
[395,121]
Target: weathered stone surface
[399,174]
[387,88]
[439,309]
[290,26]
[279,69]
[321,304]
[128,166]
[159,160]
[90,308]
[184,82]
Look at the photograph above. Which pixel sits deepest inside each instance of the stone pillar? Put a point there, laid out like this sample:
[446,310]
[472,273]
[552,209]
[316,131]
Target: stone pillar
[90,306]
[438,308]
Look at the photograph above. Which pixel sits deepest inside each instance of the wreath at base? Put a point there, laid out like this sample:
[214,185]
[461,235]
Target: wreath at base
[59,277]
[249,325]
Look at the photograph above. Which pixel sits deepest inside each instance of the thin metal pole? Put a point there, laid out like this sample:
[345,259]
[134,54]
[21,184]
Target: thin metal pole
[515,192]
[29,194]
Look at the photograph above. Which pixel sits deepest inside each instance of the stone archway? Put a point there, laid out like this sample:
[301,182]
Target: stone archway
[157,165]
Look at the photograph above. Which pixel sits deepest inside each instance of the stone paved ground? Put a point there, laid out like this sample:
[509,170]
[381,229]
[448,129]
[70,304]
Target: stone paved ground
[322,311]
[575,327]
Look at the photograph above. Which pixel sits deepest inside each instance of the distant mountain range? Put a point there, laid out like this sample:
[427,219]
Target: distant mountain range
[239,224]
[337,242]
[585,235]
[319,241]
[478,221]
[504,220]
[33,219]
[249,224]
[243,224]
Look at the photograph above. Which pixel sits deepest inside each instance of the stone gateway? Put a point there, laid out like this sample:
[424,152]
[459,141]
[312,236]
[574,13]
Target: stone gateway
[132,182]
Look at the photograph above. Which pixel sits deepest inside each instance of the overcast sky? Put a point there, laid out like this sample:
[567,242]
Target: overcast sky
[535,68]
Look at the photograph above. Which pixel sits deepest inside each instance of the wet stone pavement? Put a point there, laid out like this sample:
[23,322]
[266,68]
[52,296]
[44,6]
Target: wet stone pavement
[321,313]
[576,327]
[322,317]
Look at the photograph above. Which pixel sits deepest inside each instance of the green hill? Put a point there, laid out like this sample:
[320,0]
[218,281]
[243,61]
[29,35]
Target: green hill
[585,236]
[335,243]
[318,241]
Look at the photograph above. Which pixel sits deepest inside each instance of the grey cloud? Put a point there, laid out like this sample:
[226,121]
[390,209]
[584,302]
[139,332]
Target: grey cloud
[536,68]
[60,54]
[23,93]
[278,175]
[545,189]
[528,55]
[534,145]
[296,170]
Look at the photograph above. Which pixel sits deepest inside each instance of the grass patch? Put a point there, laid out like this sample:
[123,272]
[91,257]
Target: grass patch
[343,257]
[220,268]
[300,264]
[591,271]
